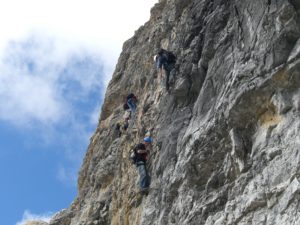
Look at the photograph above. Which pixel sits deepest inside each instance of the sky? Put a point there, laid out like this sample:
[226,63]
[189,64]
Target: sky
[56,59]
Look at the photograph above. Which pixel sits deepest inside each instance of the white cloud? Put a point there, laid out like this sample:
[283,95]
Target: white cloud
[24,97]
[28,216]
[36,80]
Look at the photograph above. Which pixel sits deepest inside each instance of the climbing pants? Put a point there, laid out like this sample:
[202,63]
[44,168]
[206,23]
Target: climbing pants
[143,176]
[131,105]
[168,68]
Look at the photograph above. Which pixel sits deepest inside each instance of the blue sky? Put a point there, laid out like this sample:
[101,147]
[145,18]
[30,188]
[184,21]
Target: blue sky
[56,58]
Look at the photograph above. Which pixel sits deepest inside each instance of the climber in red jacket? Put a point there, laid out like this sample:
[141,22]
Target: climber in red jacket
[141,152]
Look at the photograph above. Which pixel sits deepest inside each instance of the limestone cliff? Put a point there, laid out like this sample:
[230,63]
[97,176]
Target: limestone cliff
[226,137]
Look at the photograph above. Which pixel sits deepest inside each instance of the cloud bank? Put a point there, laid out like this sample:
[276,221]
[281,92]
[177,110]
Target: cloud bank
[39,83]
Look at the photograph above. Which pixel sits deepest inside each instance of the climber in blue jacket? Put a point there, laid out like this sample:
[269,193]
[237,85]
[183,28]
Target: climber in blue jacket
[131,102]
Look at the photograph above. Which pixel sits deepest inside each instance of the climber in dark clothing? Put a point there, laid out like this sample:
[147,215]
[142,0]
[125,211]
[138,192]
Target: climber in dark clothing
[141,154]
[165,60]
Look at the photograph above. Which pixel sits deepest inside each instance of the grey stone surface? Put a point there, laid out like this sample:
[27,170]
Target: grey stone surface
[226,137]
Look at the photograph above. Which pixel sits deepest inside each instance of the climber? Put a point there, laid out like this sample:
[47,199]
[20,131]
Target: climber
[131,101]
[165,60]
[141,152]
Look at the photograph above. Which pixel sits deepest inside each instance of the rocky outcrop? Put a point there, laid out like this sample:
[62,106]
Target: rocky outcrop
[226,137]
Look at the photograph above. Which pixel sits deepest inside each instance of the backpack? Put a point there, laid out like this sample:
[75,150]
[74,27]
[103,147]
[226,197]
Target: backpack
[171,58]
[133,156]
[132,96]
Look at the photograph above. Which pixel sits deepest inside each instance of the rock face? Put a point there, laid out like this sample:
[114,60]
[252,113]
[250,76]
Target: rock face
[226,137]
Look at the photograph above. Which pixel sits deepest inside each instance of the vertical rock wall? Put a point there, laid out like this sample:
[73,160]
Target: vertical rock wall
[226,139]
